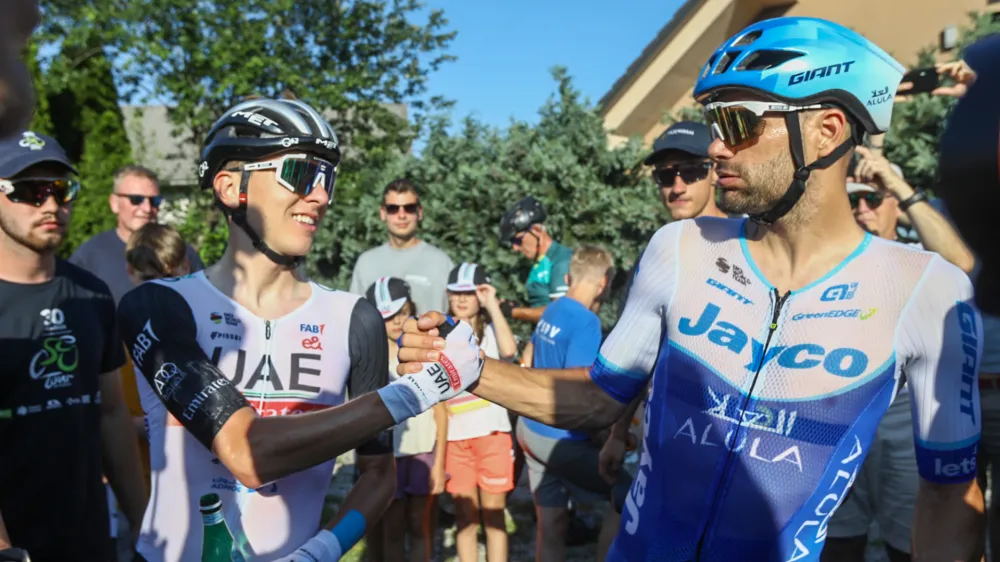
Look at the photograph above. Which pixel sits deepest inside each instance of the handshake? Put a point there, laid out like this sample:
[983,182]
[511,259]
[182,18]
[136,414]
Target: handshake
[439,357]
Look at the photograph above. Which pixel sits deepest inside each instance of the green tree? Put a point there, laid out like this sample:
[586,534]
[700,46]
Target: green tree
[917,124]
[591,193]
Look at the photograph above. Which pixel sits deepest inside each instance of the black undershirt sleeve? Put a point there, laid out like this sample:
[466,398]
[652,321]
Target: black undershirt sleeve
[369,351]
[159,330]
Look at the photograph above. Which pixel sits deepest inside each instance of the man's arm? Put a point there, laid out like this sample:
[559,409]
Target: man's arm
[524,314]
[935,232]
[577,398]
[121,450]
[528,356]
[372,492]
[941,344]
[159,329]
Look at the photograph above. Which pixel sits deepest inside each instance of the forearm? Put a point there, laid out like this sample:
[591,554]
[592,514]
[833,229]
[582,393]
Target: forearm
[371,494]
[441,425]
[121,462]
[275,447]
[620,428]
[948,523]
[937,235]
[532,315]
[4,537]
[566,398]
[505,336]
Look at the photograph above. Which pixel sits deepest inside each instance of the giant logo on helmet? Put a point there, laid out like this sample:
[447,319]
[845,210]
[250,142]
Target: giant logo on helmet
[821,72]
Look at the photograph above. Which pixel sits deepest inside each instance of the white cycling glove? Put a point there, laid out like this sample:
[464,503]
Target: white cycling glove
[324,547]
[459,367]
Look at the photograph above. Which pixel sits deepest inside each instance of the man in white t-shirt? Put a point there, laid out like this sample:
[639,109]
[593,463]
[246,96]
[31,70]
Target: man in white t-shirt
[886,486]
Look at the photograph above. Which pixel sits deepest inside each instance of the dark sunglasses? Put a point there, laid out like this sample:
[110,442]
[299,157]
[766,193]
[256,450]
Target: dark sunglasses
[36,191]
[410,208]
[689,173]
[154,200]
[873,200]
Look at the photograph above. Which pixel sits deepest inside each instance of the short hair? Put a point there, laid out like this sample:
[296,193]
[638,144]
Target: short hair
[400,185]
[137,171]
[589,262]
[155,251]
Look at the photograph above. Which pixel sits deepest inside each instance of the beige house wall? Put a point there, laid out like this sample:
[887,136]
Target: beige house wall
[661,79]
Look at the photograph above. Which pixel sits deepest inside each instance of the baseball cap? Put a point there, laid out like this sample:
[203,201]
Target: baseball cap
[466,277]
[19,152]
[388,294]
[685,136]
[855,187]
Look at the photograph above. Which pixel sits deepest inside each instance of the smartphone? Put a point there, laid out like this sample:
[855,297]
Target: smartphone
[924,80]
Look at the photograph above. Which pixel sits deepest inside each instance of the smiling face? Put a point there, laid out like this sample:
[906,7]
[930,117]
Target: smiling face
[42,228]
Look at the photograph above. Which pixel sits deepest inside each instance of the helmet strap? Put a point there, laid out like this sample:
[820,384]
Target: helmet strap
[798,186]
[240,219]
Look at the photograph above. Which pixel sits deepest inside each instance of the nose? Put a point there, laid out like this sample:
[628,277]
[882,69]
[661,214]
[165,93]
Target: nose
[679,187]
[319,195]
[718,150]
[49,204]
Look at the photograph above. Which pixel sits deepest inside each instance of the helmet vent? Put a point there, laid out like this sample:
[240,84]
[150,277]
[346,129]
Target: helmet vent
[766,59]
[726,60]
[748,38]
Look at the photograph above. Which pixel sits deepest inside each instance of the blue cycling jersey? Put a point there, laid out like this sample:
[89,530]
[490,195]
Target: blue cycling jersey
[763,405]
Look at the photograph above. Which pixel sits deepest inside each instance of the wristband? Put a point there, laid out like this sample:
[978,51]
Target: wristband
[403,399]
[912,200]
[350,529]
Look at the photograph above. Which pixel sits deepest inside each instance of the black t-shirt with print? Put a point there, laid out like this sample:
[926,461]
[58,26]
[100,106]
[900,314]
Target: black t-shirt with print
[56,338]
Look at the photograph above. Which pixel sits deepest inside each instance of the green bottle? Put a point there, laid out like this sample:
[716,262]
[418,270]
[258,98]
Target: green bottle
[217,543]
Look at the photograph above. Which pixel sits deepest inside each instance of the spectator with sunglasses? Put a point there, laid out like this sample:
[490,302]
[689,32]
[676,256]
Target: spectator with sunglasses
[405,256]
[135,201]
[684,172]
[64,423]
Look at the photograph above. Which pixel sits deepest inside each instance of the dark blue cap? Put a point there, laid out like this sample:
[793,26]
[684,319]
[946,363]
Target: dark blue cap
[18,152]
[684,136]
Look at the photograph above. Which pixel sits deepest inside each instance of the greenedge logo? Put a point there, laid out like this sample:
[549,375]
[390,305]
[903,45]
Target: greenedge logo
[844,313]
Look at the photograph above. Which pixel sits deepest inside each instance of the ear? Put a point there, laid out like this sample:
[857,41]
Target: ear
[227,188]
[113,202]
[537,229]
[381,213]
[832,128]
[420,213]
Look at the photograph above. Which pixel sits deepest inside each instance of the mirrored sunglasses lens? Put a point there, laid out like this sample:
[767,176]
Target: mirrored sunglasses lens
[733,124]
[304,175]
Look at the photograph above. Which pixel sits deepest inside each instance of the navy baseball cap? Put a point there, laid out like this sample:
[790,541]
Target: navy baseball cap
[19,152]
[684,136]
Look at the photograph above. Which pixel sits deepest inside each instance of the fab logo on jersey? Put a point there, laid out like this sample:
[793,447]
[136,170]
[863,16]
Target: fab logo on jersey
[842,362]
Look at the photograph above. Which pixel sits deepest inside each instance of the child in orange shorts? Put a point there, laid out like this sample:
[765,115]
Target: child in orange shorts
[480,456]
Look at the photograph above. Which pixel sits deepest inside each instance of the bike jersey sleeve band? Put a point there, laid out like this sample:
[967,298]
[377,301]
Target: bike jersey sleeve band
[159,329]
[940,338]
[625,363]
[369,351]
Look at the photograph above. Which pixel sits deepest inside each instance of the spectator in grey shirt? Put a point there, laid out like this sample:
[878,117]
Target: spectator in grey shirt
[135,201]
[423,266]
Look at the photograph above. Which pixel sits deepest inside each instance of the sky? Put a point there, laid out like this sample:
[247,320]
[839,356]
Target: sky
[506,48]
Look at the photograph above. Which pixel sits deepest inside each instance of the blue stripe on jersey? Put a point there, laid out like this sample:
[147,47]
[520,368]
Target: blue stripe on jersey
[618,383]
[947,465]
[752,471]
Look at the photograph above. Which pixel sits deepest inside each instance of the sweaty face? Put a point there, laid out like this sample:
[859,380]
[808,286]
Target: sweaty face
[755,174]
[685,200]
[401,213]
[133,216]
[40,229]
[286,221]
[883,219]
[463,305]
[17,96]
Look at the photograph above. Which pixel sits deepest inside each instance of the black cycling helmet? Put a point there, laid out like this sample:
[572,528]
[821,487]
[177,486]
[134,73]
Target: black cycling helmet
[256,129]
[521,217]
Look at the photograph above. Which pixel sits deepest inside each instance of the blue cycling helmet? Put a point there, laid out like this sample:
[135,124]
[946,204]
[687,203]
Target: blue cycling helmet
[806,61]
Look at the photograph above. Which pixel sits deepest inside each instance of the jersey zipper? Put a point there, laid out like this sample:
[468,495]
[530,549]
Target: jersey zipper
[778,301]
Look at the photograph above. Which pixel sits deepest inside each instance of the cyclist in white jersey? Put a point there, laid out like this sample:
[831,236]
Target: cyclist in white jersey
[245,369]
[767,388]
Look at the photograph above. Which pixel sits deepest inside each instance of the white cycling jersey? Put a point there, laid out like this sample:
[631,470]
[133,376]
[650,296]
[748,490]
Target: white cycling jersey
[306,361]
[763,405]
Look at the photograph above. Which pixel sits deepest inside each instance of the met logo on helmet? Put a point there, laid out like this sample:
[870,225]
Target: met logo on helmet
[821,72]
[845,362]
[256,119]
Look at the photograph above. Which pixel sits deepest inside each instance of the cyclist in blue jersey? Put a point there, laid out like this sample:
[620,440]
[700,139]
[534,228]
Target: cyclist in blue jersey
[767,388]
